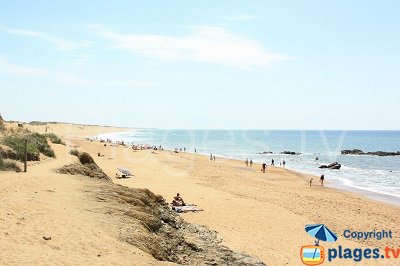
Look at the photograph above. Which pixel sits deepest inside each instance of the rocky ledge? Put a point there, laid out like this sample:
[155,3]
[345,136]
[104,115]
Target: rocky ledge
[377,153]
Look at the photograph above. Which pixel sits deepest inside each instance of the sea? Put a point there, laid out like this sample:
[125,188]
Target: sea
[374,176]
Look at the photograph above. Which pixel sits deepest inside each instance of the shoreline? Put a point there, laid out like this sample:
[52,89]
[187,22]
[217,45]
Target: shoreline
[335,184]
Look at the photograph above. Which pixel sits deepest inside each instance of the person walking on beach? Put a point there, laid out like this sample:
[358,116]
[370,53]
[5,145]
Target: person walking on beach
[251,162]
[246,162]
[322,178]
[284,163]
[273,162]
[214,158]
[264,167]
[211,157]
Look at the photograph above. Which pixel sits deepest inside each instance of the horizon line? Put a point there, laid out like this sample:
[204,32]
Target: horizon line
[222,129]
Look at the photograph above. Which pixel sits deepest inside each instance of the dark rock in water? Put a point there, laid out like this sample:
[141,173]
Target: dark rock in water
[335,166]
[377,153]
[352,152]
[265,152]
[383,153]
[290,153]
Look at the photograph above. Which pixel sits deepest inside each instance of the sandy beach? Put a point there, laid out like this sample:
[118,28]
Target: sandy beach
[263,215]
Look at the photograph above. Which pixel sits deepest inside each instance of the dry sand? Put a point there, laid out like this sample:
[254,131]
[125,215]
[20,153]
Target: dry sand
[261,214]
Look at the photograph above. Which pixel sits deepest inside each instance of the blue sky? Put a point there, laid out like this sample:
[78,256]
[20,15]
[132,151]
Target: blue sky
[202,64]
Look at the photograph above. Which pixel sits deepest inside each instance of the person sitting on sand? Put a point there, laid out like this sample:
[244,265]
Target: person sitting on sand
[178,201]
[322,178]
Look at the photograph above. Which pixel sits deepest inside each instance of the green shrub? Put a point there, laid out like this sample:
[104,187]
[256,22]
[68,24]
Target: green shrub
[37,144]
[8,166]
[55,139]
[8,154]
[17,143]
[49,152]
[74,152]
[85,158]
[2,126]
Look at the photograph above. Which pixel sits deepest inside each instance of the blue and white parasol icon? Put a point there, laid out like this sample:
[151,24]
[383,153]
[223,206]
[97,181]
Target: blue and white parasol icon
[320,232]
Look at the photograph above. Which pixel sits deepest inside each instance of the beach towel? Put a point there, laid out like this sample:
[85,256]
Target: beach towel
[188,208]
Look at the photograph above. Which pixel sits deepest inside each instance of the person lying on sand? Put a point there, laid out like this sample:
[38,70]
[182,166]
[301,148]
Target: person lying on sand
[178,201]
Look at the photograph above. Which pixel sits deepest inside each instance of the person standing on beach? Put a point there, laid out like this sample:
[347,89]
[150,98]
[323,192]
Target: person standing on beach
[284,163]
[211,157]
[195,151]
[273,162]
[251,162]
[322,178]
[246,162]
[214,158]
[264,167]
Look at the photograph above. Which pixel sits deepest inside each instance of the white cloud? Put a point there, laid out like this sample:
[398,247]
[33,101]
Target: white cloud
[17,70]
[60,43]
[72,79]
[204,44]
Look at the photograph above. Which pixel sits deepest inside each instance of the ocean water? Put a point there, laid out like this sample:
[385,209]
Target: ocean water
[374,174]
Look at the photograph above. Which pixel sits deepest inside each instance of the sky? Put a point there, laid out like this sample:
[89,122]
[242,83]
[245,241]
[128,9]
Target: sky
[202,64]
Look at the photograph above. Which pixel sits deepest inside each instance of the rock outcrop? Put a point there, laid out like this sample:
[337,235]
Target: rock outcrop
[377,153]
[265,152]
[334,165]
[290,153]
[163,233]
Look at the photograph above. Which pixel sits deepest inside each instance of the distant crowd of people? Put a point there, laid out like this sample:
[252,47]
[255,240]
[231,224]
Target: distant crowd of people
[249,163]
